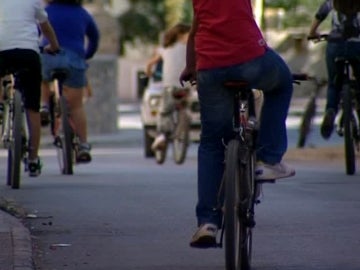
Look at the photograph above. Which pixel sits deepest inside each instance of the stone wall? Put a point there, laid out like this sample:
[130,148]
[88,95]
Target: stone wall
[101,108]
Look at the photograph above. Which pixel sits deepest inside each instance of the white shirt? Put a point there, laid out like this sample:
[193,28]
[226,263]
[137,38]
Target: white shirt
[174,58]
[18,24]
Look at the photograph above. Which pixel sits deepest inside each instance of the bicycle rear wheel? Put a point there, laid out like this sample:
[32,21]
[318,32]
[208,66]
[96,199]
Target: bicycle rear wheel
[15,150]
[238,235]
[306,122]
[348,131]
[181,137]
[66,139]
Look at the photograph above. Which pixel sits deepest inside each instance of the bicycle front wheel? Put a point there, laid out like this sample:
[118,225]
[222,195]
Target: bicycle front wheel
[181,137]
[306,122]
[15,150]
[348,131]
[238,236]
[66,139]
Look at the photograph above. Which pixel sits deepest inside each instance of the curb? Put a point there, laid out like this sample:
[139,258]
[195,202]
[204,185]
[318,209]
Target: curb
[19,242]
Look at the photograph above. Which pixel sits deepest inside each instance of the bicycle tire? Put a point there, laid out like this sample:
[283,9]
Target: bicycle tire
[52,113]
[7,117]
[307,119]
[66,138]
[181,137]
[148,141]
[160,154]
[238,236]
[349,142]
[16,144]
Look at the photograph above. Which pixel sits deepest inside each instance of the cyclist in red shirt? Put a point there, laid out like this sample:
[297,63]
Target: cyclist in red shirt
[225,43]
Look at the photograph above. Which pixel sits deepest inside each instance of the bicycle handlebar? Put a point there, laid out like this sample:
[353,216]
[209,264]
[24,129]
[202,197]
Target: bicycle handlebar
[318,38]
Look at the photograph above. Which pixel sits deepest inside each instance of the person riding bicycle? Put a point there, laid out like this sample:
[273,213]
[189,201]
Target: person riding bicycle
[343,41]
[72,24]
[225,44]
[173,57]
[19,51]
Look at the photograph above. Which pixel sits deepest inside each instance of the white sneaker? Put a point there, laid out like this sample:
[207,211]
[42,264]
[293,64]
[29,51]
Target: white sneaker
[159,142]
[205,236]
[265,171]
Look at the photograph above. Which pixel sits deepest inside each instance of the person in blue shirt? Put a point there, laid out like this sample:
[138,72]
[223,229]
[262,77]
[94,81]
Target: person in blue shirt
[78,37]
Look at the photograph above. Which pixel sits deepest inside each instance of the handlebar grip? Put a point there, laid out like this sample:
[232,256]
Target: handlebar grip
[318,38]
[300,77]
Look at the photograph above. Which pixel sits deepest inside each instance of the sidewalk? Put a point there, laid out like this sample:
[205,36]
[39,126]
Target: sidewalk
[15,240]
[15,244]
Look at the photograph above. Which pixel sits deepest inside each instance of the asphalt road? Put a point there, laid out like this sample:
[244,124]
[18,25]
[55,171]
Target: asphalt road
[124,212]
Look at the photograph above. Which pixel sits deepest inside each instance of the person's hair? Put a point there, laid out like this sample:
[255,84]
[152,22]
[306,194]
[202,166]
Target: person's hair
[171,35]
[68,2]
[347,6]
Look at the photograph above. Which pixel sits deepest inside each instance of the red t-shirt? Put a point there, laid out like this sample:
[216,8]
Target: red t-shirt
[227,33]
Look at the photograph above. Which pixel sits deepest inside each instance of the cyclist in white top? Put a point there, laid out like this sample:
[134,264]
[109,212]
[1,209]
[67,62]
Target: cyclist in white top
[19,50]
[173,55]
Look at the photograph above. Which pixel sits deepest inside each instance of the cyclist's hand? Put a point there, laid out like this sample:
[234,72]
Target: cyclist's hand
[51,50]
[188,75]
[314,36]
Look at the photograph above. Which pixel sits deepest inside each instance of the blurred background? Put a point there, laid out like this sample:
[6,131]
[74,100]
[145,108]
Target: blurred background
[131,30]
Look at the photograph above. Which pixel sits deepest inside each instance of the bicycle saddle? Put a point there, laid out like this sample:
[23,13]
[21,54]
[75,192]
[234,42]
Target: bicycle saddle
[59,74]
[236,84]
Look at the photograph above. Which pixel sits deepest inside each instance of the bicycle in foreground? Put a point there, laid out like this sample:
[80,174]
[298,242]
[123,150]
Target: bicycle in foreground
[240,191]
[15,133]
[179,136]
[347,119]
[65,139]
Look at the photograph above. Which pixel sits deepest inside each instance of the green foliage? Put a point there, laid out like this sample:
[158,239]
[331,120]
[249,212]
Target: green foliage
[145,20]
[298,13]
[285,4]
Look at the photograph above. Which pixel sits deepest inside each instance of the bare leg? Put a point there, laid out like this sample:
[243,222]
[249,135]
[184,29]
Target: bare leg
[45,93]
[35,133]
[74,97]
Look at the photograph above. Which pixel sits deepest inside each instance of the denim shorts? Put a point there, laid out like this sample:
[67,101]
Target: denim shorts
[75,64]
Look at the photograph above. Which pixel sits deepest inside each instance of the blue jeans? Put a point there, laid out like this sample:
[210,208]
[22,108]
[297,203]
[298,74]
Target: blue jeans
[347,49]
[268,73]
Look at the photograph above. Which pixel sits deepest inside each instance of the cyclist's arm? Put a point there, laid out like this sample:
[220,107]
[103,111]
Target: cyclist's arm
[189,73]
[50,35]
[320,16]
[313,28]
[153,61]
[190,51]
[93,35]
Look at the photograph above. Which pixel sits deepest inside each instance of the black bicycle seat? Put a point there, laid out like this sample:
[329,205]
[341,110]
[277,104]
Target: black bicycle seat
[238,84]
[59,74]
